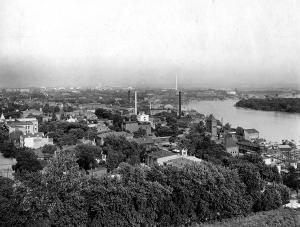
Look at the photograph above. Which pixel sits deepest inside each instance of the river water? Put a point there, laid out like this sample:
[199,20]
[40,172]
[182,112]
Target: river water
[273,126]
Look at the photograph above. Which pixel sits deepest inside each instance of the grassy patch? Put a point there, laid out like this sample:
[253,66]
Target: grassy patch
[273,218]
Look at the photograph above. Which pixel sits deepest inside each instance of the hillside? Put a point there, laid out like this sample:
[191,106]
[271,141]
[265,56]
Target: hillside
[273,218]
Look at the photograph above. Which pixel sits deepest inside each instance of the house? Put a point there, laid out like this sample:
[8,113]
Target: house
[284,148]
[101,136]
[25,127]
[87,141]
[35,140]
[32,112]
[146,127]
[143,117]
[34,122]
[270,160]
[247,146]
[164,157]
[231,147]
[100,127]
[147,142]
[251,134]
[130,126]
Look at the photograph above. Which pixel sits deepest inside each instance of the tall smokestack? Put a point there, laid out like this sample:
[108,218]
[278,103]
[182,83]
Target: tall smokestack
[176,84]
[179,103]
[135,103]
[129,96]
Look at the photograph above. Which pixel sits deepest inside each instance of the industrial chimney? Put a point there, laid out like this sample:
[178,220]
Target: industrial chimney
[129,96]
[135,103]
[179,103]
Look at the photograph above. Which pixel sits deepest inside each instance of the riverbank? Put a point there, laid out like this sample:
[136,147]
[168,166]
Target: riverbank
[288,105]
[273,126]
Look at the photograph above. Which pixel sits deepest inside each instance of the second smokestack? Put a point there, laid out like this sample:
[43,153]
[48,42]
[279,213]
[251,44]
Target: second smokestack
[135,103]
[179,103]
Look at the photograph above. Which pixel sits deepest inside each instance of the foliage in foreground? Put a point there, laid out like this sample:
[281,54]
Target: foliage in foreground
[62,194]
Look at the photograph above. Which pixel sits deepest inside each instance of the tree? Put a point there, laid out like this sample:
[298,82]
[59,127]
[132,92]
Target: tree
[102,113]
[87,155]
[271,198]
[15,136]
[8,150]
[239,131]
[201,192]
[128,200]
[49,149]
[26,161]
[3,134]
[56,109]
[284,193]
[118,150]
[54,197]
[54,117]
[6,204]
[227,126]
[46,108]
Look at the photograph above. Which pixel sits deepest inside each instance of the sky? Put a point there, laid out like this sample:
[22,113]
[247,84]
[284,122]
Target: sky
[207,43]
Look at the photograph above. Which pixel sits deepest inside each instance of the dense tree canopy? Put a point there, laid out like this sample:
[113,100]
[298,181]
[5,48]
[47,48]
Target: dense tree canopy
[118,150]
[26,161]
[271,104]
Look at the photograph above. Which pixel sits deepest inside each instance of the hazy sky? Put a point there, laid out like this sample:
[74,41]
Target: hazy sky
[223,43]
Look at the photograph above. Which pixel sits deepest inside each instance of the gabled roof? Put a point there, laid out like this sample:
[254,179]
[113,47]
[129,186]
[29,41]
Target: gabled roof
[211,117]
[251,130]
[19,123]
[147,140]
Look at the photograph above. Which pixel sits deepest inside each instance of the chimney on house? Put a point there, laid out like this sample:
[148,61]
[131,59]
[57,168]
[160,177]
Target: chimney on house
[179,103]
[135,103]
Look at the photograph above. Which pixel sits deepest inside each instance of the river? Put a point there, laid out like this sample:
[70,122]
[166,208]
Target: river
[272,126]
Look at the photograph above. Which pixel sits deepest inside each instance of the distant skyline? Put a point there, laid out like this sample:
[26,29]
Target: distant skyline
[207,43]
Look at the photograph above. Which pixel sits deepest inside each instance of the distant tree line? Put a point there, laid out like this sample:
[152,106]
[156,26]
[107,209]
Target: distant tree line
[291,105]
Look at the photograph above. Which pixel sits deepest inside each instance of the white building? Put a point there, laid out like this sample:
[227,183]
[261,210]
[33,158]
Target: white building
[143,117]
[36,140]
[71,120]
[25,127]
[251,134]
[34,121]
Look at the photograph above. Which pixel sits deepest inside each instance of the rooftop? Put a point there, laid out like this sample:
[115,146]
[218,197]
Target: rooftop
[161,154]
[18,123]
[251,130]
[146,140]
